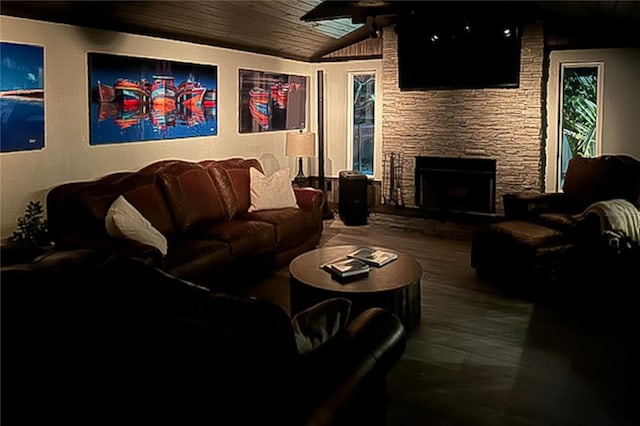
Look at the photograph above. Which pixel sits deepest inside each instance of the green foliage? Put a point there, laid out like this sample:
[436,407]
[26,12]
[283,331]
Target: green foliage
[32,227]
[579,111]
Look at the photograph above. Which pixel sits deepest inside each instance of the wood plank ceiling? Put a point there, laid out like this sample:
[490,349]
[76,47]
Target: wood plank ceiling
[271,27]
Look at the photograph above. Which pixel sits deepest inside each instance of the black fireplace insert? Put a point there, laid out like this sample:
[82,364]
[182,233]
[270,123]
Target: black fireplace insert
[455,184]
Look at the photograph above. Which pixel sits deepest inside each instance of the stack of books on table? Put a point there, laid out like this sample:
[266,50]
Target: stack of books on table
[373,256]
[346,267]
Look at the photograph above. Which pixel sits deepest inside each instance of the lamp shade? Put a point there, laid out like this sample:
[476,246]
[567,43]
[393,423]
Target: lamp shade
[301,144]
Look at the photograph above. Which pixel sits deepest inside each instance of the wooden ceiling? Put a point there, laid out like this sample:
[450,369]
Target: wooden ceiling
[277,27]
[271,27]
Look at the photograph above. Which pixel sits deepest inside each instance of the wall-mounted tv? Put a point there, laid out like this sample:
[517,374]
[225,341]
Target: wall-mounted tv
[458,55]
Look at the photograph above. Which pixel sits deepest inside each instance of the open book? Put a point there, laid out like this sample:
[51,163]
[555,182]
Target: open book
[372,256]
[346,267]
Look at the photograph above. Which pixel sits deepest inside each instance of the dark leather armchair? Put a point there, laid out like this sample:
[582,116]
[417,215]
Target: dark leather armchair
[92,338]
[587,180]
[555,237]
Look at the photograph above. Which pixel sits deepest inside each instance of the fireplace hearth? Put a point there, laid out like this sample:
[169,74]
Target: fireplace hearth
[451,184]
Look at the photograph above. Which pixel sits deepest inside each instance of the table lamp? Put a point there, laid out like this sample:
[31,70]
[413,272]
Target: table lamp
[300,144]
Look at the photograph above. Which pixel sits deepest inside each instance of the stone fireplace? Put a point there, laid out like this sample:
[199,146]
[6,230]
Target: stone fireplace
[450,184]
[502,126]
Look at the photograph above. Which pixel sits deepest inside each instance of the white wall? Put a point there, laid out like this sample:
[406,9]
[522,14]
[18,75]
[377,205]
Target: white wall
[67,156]
[621,102]
[336,81]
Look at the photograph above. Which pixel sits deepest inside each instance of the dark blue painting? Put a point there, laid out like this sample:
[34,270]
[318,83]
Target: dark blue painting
[139,99]
[21,97]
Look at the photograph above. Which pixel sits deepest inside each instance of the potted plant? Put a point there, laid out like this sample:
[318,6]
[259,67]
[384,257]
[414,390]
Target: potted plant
[30,239]
[32,227]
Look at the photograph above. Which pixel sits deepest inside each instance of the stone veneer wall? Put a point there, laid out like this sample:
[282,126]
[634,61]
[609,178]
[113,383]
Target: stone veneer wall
[503,124]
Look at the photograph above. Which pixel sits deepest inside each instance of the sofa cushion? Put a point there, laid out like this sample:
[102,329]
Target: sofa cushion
[192,256]
[150,202]
[142,191]
[292,226]
[225,189]
[158,166]
[192,196]
[235,178]
[89,211]
[271,192]
[559,221]
[124,221]
[234,163]
[240,182]
[245,237]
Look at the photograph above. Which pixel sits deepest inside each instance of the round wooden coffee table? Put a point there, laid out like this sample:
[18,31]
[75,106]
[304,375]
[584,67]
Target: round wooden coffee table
[394,286]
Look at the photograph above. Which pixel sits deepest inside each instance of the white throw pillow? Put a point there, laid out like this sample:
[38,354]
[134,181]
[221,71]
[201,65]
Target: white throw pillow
[272,192]
[124,221]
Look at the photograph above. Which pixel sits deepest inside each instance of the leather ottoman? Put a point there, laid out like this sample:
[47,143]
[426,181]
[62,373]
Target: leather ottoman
[520,252]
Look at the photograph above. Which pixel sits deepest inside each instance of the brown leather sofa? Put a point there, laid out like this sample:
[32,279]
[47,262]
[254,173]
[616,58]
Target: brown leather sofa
[545,239]
[202,210]
[89,337]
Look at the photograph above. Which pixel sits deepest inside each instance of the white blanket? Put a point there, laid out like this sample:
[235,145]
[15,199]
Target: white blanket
[617,216]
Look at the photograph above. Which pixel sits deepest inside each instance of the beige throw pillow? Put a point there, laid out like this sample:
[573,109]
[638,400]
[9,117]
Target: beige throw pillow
[124,221]
[271,192]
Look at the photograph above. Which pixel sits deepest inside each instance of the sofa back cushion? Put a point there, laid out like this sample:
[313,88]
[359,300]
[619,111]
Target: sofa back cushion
[241,185]
[92,201]
[192,195]
[158,166]
[602,178]
[232,178]
[234,163]
[149,200]
[220,178]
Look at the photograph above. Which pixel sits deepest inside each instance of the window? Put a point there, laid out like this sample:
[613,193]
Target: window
[361,130]
[580,104]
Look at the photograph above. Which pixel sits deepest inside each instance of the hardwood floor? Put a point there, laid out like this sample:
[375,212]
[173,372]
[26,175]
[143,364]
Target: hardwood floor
[483,357]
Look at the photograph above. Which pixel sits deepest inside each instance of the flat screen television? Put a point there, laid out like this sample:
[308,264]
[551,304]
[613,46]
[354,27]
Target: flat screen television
[485,54]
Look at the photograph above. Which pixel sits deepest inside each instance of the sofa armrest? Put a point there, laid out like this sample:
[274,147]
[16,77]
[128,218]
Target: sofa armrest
[12,253]
[526,205]
[353,369]
[121,246]
[309,198]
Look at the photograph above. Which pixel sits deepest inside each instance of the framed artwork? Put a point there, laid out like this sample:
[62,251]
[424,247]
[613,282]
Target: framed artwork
[270,101]
[139,99]
[21,97]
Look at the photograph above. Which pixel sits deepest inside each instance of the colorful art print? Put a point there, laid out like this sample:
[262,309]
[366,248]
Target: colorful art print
[139,99]
[270,101]
[21,97]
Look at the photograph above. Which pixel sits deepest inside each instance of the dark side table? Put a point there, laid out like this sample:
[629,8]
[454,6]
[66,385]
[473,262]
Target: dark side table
[394,286]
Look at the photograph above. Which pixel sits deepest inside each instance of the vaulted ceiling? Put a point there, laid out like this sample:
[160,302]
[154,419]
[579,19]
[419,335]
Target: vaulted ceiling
[310,30]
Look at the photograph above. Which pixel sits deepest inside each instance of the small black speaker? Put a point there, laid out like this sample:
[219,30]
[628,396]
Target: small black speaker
[352,197]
